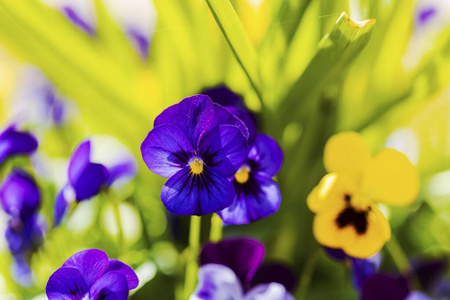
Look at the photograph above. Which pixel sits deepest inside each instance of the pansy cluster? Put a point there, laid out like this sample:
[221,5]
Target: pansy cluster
[214,160]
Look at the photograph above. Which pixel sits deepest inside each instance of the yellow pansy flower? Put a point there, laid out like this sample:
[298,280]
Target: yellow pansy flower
[347,216]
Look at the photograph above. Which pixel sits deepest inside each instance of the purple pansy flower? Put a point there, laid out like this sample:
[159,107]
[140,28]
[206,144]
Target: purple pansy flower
[14,142]
[361,268]
[229,268]
[198,145]
[20,199]
[97,162]
[90,274]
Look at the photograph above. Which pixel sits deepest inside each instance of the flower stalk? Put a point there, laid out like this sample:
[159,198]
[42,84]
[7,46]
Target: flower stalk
[190,279]
[215,233]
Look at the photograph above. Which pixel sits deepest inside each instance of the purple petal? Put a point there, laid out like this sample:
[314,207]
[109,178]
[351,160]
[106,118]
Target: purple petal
[337,254]
[14,142]
[416,295]
[275,272]
[425,14]
[24,237]
[91,263]
[141,43]
[380,286]
[111,286]
[193,116]
[224,96]
[265,155]
[79,160]
[258,198]
[61,207]
[249,120]
[75,18]
[217,282]
[21,271]
[429,271]
[363,268]
[223,116]
[166,150]
[224,148]
[188,194]
[271,291]
[19,194]
[91,180]
[121,171]
[442,289]
[118,266]
[66,284]
[242,255]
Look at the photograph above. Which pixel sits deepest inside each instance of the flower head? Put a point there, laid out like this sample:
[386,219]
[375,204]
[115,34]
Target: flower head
[257,194]
[90,274]
[344,201]
[231,269]
[100,161]
[14,142]
[198,145]
[20,199]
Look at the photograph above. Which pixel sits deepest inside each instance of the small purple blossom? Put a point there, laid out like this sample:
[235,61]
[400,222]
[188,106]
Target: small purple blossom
[90,274]
[198,145]
[96,163]
[14,142]
[20,199]
[231,269]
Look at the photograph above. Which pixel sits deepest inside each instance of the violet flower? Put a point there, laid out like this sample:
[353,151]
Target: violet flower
[228,270]
[90,274]
[98,162]
[198,145]
[20,199]
[14,142]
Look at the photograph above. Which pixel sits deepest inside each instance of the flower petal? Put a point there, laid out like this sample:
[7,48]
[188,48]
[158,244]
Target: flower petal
[91,263]
[380,286]
[256,199]
[416,295]
[61,206]
[193,116]
[347,153]
[118,266]
[266,154]
[223,149]
[223,116]
[275,272]
[392,179]
[217,282]
[15,142]
[188,194]
[166,150]
[242,255]
[353,244]
[249,120]
[111,286]
[90,181]
[19,195]
[363,268]
[79,160]
[271,291]
[224,96]
[66,283]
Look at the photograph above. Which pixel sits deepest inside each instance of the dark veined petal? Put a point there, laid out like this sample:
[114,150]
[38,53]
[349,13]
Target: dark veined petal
[258,198]
[242,255]
[217,282]
[166,150]
[223,116]
[89,183]
[270,291]
[224,149]
[188,194]
[111,286]
[275,272]
[66,284]
[91,263]
[266,154]
[379,286]
[118,266]
[19,195]
[13,142]
[79,160]
[193,116]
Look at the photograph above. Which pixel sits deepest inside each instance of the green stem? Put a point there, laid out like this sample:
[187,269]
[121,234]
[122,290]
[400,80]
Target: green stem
[190,279]
[116,210]
[305,279]
[215,233]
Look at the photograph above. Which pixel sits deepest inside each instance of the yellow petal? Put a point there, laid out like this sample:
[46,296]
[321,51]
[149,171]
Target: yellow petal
[391,179]
[356,245]
[330,192]
[347,153]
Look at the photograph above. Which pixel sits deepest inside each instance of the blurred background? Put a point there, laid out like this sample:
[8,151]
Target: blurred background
[71,69]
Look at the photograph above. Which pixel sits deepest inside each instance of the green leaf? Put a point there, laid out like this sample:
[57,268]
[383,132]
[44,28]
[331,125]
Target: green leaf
[234,33]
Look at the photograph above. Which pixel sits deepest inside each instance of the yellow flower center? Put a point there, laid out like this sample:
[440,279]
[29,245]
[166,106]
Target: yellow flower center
[196,166]
[242,174]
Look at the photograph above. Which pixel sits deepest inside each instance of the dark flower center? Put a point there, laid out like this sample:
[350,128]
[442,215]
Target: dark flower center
[351,216]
